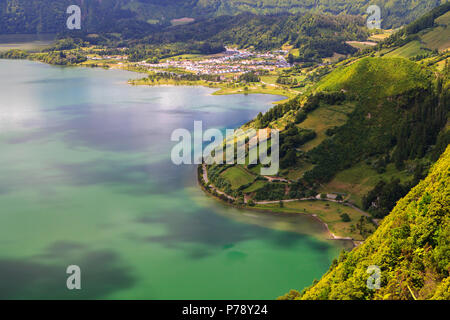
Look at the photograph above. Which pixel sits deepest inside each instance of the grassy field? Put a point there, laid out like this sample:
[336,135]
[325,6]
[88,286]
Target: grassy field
[409,50]
[298,171]
[323,118]
[360,179]
[381,36]
[335,58]
[361,44]
[255,186]
[269,79]
[328,212]
[237,176]
[439,38]
[435,38]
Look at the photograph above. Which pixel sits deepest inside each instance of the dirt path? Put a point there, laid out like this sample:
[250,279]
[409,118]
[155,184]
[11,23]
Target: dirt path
[272,179]
[284,201]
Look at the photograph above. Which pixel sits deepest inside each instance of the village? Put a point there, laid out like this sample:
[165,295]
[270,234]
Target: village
[232,61]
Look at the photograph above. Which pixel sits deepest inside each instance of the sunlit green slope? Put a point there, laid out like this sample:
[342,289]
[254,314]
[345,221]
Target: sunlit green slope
[411,247]
[377,78]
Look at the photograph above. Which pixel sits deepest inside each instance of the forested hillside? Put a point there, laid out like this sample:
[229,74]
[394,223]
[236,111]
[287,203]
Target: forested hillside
[411,247]
[49,16]
[31,16]
[368,131]
[396,107]
[375,122]
[314,35]
[394,13]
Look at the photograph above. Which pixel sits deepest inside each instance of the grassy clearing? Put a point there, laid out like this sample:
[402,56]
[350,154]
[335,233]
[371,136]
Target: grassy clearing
[439,39]
[360,179]
[323,118]
[256,169]
[435,38]
[382,36]
[409,50]
[298,171]
[255,186]
[361,44]
[237,176]
[328,212]
[269,79]
[335,58]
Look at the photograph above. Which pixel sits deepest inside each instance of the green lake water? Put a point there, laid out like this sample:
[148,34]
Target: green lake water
[86,179]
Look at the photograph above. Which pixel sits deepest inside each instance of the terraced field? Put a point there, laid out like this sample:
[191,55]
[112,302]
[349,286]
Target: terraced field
[409,50]
[429,39]
[439,38]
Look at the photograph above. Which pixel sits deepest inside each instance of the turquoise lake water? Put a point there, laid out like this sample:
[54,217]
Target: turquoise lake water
[86,179]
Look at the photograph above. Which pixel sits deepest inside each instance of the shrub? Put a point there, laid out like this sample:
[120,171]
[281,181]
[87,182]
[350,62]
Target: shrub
[345,217]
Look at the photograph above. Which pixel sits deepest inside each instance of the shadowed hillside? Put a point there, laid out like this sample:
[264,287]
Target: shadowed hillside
[43,16]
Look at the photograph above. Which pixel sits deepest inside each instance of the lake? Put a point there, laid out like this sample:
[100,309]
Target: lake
[86,179]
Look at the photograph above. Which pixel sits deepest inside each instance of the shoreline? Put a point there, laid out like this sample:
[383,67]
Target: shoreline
[220,90]
[200,179]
